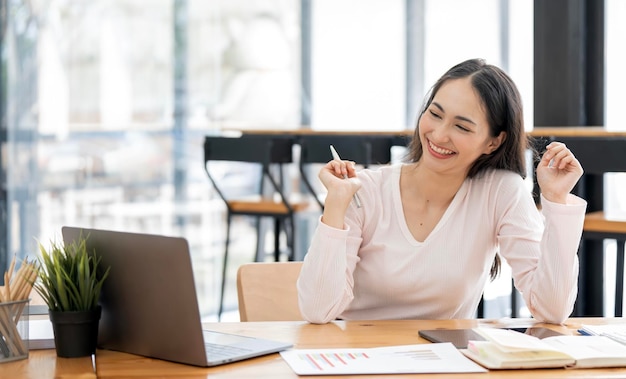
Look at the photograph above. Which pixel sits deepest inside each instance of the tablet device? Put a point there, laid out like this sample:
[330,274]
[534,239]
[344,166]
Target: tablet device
[460,337]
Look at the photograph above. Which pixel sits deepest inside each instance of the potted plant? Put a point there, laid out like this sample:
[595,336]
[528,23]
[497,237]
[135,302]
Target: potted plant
[70,282]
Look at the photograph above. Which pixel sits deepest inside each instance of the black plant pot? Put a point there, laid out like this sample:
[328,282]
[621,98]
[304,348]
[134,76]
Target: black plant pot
[75,333]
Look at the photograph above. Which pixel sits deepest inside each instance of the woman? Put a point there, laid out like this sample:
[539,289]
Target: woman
[422,244]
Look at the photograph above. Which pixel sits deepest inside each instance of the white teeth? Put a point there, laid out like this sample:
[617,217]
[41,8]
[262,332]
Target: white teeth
[440,150]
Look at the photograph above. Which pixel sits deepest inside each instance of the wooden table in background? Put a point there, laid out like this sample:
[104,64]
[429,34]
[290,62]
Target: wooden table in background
[599,151]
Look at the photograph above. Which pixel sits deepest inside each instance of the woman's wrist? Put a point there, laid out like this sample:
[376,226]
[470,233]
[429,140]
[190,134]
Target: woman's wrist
[335,211]
[555,198]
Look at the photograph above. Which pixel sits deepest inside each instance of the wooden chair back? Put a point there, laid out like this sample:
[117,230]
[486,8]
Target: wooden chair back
[267,291]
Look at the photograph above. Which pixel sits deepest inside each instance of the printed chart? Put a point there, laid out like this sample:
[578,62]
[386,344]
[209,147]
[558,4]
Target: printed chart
[421,358]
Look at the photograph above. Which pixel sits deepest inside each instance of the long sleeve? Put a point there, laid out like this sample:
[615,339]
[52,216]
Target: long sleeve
[548,278]
[325,283]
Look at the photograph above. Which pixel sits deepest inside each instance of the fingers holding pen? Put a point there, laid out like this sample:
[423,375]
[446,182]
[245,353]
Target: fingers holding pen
[340,179]
[342,169]
[333,176]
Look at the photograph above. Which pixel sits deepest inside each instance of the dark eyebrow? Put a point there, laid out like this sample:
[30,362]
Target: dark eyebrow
[457,117]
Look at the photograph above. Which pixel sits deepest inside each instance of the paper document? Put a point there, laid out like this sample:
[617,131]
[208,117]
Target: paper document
[404,359]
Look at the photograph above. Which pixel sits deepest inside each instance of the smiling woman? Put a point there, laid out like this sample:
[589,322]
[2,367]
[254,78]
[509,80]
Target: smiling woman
[416,235]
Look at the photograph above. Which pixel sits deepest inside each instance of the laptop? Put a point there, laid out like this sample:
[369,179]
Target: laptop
[149,303]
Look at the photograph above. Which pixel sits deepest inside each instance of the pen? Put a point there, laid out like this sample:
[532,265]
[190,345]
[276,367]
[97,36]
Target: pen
[357,200]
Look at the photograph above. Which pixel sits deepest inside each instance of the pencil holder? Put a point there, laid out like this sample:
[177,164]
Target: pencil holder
[13,330]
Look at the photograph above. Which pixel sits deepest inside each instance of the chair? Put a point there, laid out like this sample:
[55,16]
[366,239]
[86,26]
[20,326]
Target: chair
[264,152]
[365,150]
[267,291]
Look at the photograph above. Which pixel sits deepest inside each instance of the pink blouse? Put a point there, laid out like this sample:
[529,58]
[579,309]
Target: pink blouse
[375,269]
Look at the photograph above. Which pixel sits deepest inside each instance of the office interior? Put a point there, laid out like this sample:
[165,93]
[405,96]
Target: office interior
[105,103]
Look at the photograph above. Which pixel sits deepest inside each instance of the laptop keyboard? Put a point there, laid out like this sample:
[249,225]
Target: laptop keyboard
[214,350]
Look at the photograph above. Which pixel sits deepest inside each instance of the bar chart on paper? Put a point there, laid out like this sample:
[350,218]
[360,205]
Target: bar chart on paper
[422,358]
[325,361]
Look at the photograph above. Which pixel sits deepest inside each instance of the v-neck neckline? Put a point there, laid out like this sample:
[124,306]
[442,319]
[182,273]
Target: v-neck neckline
[397,200]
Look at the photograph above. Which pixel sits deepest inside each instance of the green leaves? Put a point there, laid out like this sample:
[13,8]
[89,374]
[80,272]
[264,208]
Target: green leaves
[69,279]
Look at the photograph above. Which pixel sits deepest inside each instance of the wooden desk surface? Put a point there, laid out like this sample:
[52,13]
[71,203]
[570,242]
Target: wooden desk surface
[44,364]
[574,131]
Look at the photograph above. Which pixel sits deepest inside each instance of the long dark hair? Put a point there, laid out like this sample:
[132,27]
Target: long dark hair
[503,107]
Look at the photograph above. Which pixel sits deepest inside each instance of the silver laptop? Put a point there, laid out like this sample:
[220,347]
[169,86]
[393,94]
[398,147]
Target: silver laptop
[149,303]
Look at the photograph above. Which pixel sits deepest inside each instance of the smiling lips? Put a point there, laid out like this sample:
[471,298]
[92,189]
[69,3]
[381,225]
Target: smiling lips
[439,150]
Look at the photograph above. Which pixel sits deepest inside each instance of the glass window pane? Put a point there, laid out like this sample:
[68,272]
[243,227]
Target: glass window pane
[615,13]
[358,65]
[615,78]
[245,62]
[457,30]
[109,101]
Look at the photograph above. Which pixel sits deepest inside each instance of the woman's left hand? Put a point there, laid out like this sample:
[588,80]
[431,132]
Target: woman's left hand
[558,172]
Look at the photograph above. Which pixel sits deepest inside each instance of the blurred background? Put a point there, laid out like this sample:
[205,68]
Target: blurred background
[104,103]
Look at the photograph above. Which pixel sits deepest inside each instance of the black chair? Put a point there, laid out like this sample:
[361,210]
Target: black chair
[267,154]
[364,150]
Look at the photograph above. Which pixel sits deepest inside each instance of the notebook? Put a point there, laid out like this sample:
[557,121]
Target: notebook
[149,303]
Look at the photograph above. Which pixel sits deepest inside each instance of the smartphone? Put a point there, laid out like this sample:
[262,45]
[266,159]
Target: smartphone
[460,337]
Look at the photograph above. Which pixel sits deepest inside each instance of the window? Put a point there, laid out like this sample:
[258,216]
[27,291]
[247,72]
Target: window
[108,103]
[108,100]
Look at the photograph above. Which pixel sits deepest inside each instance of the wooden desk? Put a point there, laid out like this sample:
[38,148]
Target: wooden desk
[109,364]
[44,364]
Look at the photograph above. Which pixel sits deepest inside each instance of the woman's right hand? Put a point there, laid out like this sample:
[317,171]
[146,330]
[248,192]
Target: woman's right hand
[341,182]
